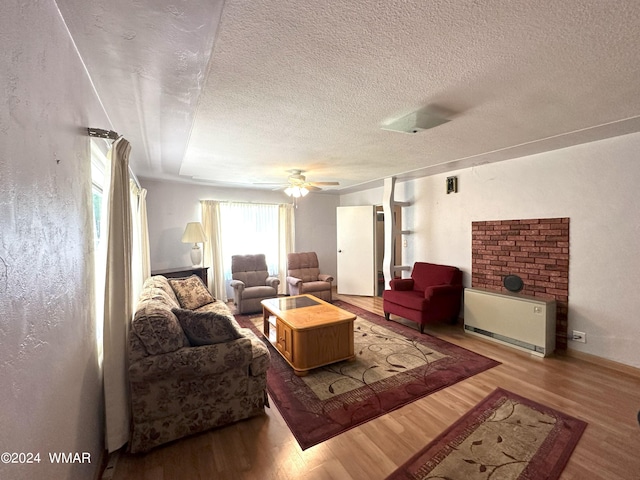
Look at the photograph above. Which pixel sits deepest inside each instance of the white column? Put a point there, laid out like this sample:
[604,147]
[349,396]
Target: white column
[389,229]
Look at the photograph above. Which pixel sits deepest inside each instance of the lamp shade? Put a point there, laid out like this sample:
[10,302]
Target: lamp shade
[194,233]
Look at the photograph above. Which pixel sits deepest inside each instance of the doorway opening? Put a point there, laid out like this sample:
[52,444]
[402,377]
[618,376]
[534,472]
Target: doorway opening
[380,244]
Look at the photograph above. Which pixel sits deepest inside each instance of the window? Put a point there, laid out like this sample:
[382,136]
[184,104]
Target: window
[98,186]
[98,163]
[249,229]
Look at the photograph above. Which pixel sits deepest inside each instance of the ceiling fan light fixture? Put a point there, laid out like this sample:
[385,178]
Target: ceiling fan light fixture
[299,187]
[295,191]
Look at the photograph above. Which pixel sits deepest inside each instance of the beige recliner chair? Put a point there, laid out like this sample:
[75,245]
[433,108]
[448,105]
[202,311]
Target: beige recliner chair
[251,282]
[303,276]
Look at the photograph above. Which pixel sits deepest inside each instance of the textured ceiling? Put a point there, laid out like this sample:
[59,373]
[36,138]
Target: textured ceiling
[238,92]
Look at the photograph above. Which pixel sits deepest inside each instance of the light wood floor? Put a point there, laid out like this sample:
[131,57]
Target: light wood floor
[606,397]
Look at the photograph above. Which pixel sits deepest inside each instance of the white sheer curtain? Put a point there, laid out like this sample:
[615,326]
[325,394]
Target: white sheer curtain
[242,229]
[117,296]
[286,242]
[213,247]
[248,228]
[140,261]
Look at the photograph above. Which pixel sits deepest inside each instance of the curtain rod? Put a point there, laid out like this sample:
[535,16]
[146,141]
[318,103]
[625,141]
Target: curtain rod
[244,203]
[111,135]
[100,133]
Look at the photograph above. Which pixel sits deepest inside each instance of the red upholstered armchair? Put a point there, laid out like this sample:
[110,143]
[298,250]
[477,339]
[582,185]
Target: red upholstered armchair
[431,295]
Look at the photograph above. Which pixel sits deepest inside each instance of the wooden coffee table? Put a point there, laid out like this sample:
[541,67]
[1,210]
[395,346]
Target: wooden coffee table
[308,332]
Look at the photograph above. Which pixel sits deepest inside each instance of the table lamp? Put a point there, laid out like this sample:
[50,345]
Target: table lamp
[194,233]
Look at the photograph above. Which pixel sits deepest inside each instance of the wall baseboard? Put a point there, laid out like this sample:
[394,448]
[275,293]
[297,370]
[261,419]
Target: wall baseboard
[617,366]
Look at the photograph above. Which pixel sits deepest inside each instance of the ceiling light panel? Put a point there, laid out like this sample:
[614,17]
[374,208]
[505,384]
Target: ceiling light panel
[415,122]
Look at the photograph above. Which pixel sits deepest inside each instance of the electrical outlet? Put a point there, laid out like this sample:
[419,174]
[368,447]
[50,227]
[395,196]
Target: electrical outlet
[404,242]
[577,336]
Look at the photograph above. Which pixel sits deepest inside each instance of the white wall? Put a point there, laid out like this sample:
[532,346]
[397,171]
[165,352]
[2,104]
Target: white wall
[316,230]
[51,393]
[595,185]
[171,205]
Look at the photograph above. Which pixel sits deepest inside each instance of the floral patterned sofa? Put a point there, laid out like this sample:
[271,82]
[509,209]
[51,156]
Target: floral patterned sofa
[191,366]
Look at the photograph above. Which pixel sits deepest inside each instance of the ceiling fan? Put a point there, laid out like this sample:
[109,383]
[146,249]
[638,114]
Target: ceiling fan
[298,186]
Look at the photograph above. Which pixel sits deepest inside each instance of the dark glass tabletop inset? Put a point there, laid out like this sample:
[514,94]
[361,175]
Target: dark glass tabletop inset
[289,303]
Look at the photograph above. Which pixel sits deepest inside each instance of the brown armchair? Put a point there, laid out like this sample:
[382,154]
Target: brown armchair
[251,282]
[432,294]
[303,276]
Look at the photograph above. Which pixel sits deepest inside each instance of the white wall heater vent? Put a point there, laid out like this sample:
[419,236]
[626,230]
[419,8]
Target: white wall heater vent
[522,322]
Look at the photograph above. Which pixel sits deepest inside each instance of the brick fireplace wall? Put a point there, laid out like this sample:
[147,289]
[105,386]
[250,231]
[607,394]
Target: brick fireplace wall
[536,250]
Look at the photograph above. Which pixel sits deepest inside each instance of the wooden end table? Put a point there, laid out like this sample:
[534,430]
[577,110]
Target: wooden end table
[308,332]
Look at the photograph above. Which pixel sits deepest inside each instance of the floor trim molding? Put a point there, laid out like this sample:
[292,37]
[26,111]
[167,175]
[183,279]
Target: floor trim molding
[605,362]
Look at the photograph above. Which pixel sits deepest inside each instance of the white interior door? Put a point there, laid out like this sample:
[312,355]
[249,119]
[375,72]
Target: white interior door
[356,250]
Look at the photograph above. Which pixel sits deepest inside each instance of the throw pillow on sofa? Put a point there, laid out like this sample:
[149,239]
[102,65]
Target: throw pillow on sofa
[205,328]
[158,328]
[191,292]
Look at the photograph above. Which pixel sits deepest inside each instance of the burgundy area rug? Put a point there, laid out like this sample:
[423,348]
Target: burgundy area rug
[505,436]
[394,366]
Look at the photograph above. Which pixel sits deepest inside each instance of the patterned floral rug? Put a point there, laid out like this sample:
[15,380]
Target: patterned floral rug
[394,366]
[505,436]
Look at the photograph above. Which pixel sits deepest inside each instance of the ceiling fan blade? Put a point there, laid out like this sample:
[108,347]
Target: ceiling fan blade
[274,185]
[325,183]
[312,188]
